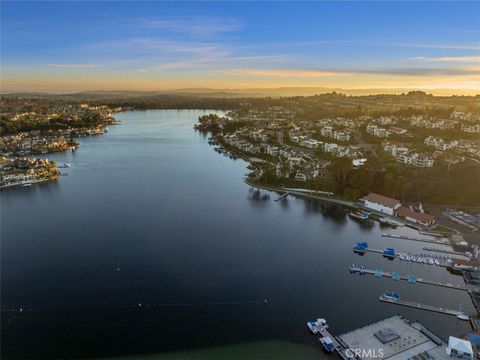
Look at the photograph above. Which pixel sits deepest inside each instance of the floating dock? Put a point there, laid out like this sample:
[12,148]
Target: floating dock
[427,248]
[431,241]
[281,197]
[421,306]
[380,273]
[340,348]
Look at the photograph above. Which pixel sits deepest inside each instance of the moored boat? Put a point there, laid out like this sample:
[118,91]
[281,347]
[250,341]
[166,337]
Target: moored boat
[360,248]
[360,215]
[389,253]
[327,343]
[391,295]
[316,326]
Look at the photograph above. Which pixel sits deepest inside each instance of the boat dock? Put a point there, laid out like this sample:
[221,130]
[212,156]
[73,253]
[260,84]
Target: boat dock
[421,306]
[427,248]
[340,347]
[432,241]
[381,273]
[281,197]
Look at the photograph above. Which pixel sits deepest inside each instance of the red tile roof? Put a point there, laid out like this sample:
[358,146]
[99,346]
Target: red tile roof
[380,199]
[422,217]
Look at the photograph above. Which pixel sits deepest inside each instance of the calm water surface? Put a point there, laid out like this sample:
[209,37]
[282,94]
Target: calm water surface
[149,214]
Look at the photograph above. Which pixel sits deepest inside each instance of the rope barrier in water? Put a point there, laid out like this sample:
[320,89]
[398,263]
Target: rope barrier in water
[27,309]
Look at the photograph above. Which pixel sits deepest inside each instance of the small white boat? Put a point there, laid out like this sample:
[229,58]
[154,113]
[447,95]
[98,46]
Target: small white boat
[430,262]
[436,262]
[27,184]
[408,258]
[463,317]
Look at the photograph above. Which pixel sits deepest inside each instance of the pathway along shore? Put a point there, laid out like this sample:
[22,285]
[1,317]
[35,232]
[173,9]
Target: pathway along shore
[305,193]
[312,194]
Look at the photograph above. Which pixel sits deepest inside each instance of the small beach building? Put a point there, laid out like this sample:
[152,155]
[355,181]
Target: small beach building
[459,349]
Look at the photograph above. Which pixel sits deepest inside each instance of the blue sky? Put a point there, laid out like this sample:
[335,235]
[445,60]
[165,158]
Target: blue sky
[162,45]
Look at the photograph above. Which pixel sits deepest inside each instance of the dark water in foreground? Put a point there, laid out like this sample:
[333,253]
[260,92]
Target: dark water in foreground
[149,214]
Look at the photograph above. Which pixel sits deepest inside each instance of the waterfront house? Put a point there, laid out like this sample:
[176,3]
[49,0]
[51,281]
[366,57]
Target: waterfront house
[381,203]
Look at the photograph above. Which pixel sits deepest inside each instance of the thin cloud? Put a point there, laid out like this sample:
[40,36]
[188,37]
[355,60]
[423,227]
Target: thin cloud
[192,25]
[460,59]
[73,66]
[285,73]
[308,73]
[437,46]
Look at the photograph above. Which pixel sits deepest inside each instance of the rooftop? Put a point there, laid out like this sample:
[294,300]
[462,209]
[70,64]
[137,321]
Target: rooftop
[397,338]
[406,212]
[380,199]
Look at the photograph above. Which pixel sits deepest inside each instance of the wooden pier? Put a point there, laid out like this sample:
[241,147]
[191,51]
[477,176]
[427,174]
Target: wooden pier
[281,197]
[418,280]
[431,241]
[421,306]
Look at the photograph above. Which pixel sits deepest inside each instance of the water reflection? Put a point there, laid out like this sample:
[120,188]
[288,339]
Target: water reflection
[258,196]
[184,228]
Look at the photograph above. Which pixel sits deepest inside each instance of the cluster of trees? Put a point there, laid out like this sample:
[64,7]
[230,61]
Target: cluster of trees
[458,185]
[44,123]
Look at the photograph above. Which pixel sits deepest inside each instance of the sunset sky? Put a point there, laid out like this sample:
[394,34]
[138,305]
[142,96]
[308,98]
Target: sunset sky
[71,46]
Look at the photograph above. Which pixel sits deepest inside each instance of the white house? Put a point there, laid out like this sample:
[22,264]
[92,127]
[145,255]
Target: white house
[381,203]
[458,348]
[358,162]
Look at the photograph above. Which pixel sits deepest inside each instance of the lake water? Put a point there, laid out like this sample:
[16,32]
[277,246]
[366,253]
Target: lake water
[154,244]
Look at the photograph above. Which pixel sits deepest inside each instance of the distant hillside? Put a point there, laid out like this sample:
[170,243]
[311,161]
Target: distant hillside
[232,93]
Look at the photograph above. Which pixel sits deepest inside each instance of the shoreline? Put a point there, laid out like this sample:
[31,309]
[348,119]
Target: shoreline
[20,184]
[307,193]
[349,204]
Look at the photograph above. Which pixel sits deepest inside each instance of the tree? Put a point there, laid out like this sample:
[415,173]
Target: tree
[339,170]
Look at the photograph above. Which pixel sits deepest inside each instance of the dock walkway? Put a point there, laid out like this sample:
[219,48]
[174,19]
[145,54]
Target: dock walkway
[420,306]
[427,248]
[418,280]
[339,347]
[281,197]
[431,241]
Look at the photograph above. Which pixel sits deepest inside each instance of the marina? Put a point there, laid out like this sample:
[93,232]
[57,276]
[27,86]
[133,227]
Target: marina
[362,247]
